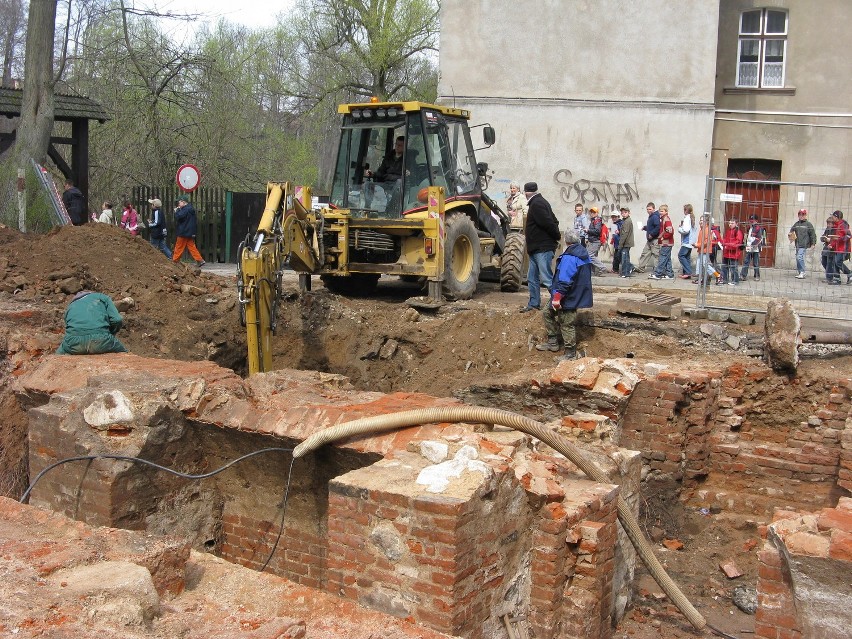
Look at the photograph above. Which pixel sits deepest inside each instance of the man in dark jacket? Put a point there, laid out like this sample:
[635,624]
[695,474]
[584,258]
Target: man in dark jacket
[75,204]
[542,237]
[572,289]
[157,227]
[186,230]
[91,322]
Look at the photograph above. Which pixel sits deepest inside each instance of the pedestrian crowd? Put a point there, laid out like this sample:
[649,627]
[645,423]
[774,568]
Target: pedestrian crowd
[726,256]
[186,222]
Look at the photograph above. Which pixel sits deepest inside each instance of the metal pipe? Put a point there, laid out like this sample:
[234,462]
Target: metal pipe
[827,337]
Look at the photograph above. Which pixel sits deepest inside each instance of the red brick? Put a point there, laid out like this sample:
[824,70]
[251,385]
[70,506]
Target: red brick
[810,544]
[438,505]
[840,545]
[831,518]
[771,573]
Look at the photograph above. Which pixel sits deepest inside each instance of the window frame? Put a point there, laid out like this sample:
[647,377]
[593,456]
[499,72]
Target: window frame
[762,37]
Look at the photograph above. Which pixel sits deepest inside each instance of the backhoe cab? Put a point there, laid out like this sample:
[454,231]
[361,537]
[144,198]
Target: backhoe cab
[380,221]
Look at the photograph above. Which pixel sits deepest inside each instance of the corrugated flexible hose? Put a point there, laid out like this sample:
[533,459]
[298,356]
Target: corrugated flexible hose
[482,415]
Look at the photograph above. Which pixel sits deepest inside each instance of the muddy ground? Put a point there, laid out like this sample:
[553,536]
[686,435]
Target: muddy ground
[184,313]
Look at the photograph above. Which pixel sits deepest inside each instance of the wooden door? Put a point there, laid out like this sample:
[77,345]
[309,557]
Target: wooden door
[760,199]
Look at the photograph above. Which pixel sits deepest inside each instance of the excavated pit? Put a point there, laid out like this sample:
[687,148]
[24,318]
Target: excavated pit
[722,440]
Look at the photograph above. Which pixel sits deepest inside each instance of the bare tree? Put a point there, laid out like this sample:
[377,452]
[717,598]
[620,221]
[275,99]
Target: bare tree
[12,26]
[37,110]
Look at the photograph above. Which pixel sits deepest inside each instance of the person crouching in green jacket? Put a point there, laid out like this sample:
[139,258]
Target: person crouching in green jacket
[91,322]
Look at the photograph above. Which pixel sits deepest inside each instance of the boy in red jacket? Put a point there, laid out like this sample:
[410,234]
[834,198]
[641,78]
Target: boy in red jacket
[664,269]
[732,252]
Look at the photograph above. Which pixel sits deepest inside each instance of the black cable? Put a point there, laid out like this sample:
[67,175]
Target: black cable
[721,633]
[91,458]
[283,517]
[29,489]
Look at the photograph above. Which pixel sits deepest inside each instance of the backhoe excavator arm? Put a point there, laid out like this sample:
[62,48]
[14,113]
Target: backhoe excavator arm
[284,231]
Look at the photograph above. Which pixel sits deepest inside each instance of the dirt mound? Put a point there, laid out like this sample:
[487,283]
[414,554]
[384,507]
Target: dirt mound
[170,310]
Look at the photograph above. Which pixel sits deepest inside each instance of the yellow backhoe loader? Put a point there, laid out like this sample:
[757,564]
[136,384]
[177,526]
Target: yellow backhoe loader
[407,200]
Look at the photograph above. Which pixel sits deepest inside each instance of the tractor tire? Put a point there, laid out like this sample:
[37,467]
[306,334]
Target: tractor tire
[355,285]
[512,262]
[461,258]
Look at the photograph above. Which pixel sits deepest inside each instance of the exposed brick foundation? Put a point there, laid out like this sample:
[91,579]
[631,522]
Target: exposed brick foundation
[530,540]
[527,538]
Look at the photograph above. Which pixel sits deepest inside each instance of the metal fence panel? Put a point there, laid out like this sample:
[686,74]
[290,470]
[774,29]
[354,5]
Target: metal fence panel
[776,205]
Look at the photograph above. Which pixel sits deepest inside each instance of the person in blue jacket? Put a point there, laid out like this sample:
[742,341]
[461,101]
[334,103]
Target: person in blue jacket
[157,227]
[571,290]
[186,229]
[91,322]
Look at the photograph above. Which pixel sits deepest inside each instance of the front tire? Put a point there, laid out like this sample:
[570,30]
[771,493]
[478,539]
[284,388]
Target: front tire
[512,263]
[461,258]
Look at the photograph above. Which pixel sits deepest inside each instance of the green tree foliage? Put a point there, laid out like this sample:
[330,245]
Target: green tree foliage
[245,106]
[366,48]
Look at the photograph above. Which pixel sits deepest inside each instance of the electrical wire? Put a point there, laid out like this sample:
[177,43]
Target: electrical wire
[721,633]
[25,497]
[283,517]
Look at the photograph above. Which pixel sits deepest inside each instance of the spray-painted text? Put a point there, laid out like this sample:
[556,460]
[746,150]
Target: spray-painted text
[584,191]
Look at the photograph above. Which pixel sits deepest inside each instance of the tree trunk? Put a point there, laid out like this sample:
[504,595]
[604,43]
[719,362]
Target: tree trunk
[36,124]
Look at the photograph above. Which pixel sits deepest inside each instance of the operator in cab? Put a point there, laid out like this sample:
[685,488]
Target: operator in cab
[91,322]
[390,169]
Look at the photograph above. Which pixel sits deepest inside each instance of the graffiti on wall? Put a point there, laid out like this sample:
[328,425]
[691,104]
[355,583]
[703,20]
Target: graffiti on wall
[602,192]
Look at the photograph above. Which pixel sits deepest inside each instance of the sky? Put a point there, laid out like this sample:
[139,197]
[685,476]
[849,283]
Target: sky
[251,13]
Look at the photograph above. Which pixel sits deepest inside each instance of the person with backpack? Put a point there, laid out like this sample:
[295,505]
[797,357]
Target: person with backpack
[157,227]
[755,240]
[595,236]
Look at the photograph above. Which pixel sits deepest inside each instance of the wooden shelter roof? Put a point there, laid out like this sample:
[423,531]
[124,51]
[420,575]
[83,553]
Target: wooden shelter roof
[68,107]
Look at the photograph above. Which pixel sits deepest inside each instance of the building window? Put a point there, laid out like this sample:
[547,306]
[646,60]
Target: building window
[762,48]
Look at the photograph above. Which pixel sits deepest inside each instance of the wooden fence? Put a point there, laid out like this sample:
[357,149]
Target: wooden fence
[210,207]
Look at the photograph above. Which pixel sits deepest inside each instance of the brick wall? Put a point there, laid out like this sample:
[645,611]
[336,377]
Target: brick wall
[731,441]
[839,401]
[298,556]
[461,562]
[792,458]
[668,419]
[573,565]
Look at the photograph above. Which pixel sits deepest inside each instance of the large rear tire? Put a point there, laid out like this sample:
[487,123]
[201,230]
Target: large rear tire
[512,263]
[355,285]
[461,258]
